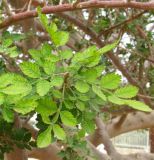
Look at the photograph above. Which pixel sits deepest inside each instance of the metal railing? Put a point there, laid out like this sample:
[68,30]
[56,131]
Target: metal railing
[135,139]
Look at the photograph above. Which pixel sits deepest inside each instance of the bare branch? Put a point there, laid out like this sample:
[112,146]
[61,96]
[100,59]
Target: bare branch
[129,20]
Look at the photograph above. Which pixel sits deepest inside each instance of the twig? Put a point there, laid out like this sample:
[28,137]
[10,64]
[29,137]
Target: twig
[121,24]
[8,11]
[143,96]
[29,5]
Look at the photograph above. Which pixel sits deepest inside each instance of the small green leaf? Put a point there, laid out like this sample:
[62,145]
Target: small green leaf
[66,54]
[25,106]
[80,105]
[17,88]
[44,138]
[88,126]
[43,18]
[107,48]
[127,92]
[110,81]
[89,75]
[46,107]
[60,38]
[52,28]
[59,132]
[81,86]
[1,98]
[36,55]
[99,69]
[98,92]
[116,100]
[6,79]
[57,81]
[43,87]
[46,50]
[68,104]
[8,115]
[138,105]
[67,118]
[49,67]
[30,69]
[7,42]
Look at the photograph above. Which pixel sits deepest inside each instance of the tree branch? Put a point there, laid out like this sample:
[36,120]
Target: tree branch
[129,20]
[105,137]
[83,5]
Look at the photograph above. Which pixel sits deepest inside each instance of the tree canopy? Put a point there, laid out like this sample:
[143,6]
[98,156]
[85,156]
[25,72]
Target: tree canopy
[84,69]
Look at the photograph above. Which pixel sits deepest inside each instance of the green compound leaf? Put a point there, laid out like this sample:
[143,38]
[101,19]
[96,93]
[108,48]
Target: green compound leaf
[59,132]
[44,138]
[67,118]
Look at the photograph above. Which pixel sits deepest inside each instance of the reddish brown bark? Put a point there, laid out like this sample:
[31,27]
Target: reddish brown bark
[83,5]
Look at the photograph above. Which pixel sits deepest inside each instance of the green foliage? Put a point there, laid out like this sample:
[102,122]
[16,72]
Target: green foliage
[127,92]
[59,38]
[59,132]
[43,87]
[7,47]
[110,81]
[30,69]
[65,88]
[9,135]
[44,138]
[67,118]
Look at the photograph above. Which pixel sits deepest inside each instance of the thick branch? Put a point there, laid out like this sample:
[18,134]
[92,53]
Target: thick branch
[133,121]
[104,136]
[82,5]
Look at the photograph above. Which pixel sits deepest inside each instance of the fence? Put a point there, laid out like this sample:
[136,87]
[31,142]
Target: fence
[135,140]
